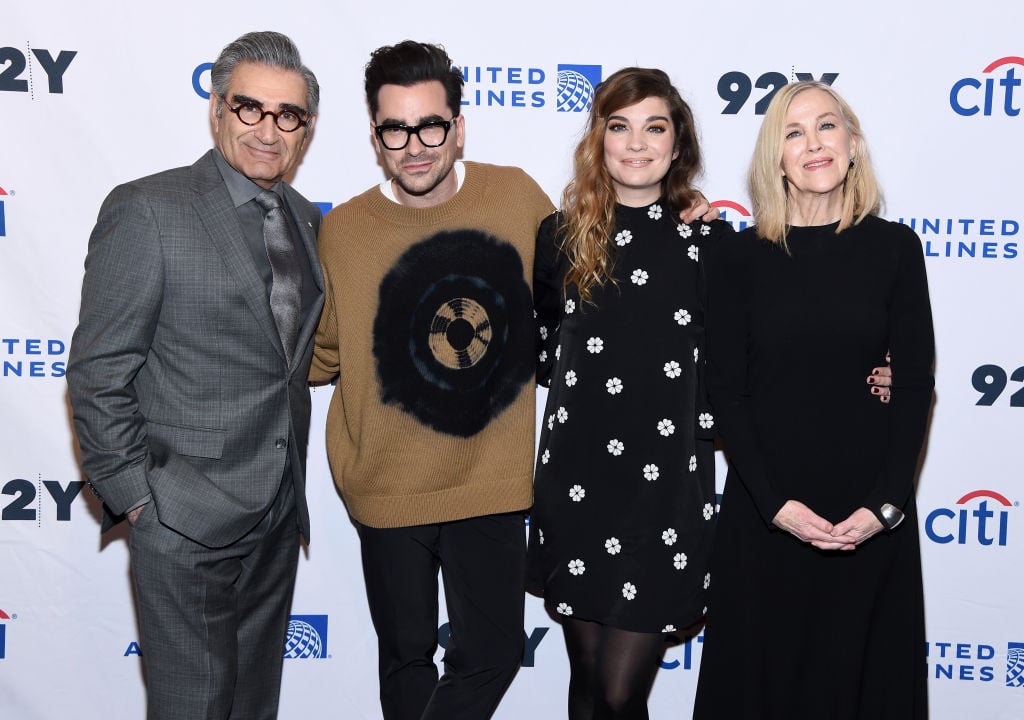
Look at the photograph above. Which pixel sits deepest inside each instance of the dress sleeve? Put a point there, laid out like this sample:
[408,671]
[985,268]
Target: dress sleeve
[728,271]
[707,236]
[548,296]
[912,348]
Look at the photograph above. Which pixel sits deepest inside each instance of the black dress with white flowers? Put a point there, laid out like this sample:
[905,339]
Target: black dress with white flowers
[624,509]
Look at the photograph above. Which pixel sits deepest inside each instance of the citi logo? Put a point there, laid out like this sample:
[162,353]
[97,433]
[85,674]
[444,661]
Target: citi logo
[3,635]
[983,524]
[3,219]
[991,94]
[735,214]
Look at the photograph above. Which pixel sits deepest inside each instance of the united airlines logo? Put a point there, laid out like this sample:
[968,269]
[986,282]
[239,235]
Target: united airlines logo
[992,93]
[576,85]
[307,637]
[1015,664]
[986,524]
[733,213]
[568,88]
[967,238]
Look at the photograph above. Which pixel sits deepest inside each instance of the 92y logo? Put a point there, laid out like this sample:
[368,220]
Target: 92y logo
[25,495]
[735,88]
[990,381]
[14,68]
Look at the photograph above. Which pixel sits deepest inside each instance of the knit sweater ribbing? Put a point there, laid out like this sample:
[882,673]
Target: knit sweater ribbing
[392,468]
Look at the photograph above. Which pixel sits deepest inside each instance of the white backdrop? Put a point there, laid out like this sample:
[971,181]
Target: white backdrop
[93,94]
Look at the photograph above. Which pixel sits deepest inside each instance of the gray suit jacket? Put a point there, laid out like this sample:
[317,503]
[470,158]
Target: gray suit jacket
[178,382]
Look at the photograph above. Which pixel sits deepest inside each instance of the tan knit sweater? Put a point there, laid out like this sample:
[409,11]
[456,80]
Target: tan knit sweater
[428,328]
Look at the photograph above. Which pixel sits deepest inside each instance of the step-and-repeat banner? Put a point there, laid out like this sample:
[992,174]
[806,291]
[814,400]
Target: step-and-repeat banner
[94,94]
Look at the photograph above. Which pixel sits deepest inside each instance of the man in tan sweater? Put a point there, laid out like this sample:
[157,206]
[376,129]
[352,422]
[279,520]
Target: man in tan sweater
[428,328]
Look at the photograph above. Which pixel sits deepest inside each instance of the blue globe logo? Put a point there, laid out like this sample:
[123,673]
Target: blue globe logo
[303,641]
[575,93]
[1015,665]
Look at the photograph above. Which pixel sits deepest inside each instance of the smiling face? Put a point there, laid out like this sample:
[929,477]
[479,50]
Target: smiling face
[816,150]
[262,152]
[639,147]
[422,175]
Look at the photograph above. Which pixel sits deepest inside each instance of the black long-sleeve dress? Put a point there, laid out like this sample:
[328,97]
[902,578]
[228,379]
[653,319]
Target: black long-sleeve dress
[794,632]
[624,508]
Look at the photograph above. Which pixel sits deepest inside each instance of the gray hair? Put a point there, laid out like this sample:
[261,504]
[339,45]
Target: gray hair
[265,48]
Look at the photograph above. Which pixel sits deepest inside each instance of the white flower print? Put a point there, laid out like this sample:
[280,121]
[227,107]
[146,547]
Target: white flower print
[693,463]
[545,457]
[669,536]
[679,560]
[654,212]
[615,447]
[672,369]
[562,414]
[629,591]
[666,427]
[564,609]
[570,306]
[570,378]
[696,354]
[682,317]
[707,581]
[639,277]
[669,628]
[706,420]
[623,238]
[540,536]
[543,330]
[613,385]
[692,253]
[709,512]
[613,546]
[551,422]
[651,471]
[577,493]
[543,356]
[595,345]
[705,229]
[576,567]
[558,352]
[684,230]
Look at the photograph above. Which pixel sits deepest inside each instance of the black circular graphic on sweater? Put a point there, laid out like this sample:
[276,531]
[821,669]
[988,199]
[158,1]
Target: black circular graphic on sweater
[453,336]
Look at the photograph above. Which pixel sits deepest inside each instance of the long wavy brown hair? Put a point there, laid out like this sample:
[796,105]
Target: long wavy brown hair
[588,202]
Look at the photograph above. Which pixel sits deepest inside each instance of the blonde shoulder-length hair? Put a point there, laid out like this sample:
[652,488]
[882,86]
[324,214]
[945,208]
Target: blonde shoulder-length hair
[767,186]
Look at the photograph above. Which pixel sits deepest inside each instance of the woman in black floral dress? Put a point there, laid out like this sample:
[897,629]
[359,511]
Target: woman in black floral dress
[624,508]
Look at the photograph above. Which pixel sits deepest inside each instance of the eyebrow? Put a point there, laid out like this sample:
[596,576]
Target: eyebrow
[298,109]
[423,119]
[817,119]
[650,118]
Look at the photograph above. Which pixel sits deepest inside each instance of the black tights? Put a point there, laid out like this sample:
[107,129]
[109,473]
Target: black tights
[612,670]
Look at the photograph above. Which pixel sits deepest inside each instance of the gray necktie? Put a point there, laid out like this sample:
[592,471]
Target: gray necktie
[286,287]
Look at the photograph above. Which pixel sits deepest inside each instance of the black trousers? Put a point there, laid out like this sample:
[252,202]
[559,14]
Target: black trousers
[482,562]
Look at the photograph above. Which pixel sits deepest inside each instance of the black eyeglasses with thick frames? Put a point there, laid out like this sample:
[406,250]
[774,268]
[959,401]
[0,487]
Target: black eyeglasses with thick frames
[250,113]
[395,136]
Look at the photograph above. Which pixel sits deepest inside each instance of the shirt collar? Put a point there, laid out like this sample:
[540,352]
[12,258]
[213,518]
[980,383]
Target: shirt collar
[240,188]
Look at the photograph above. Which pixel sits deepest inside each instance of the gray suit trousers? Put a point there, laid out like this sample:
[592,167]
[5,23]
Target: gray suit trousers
[213,621]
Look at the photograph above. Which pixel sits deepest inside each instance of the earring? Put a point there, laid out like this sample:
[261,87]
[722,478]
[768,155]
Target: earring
[851,163]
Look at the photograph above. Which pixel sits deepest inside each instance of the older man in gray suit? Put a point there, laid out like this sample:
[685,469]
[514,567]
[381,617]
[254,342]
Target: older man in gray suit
[187,377]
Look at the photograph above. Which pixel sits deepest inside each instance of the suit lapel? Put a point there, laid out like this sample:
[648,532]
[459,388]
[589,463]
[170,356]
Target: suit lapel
[215,210]
[308,223]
